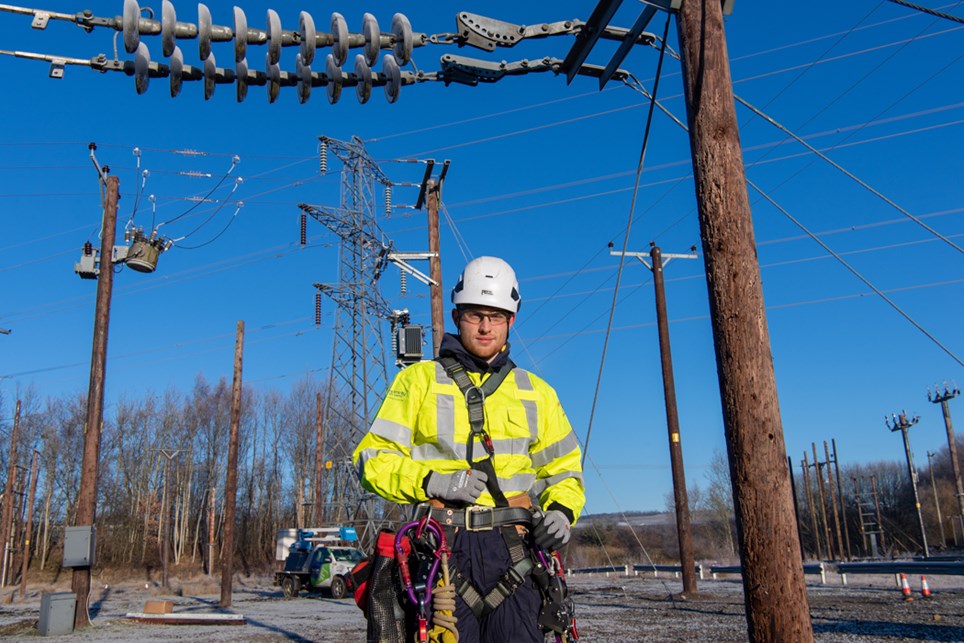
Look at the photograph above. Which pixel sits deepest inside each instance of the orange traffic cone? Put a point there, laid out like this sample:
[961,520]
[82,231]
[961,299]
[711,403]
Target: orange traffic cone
[925,591]
[905,588]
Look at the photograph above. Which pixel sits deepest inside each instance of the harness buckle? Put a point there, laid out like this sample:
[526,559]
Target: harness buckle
[486,516]
[474,393]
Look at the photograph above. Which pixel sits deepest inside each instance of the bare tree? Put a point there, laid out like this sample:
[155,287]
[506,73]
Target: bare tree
[718,501]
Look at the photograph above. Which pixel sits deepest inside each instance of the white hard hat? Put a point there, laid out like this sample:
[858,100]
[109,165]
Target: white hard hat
[488,281]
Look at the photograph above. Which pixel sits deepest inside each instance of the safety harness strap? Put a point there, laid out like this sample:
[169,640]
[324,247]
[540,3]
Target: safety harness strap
[513,578]
[475,403]
[522,564]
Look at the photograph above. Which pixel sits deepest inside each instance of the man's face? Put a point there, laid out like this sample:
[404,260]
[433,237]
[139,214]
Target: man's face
[483,331]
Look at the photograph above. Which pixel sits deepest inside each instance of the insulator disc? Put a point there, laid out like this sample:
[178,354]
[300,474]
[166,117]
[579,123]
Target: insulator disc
[142,64]
[363,90]
[339,33]
[306,26]
[130,20]
[303,72]
[203,31]
[241,80]
[168,26]
[335,79]
[373,38]
[402,30]
[273,84]
[240,34]
[274,37]
[393,77]
[177,71]
[210,71]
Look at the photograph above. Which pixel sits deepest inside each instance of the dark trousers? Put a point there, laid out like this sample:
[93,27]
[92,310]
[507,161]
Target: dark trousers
[483,558]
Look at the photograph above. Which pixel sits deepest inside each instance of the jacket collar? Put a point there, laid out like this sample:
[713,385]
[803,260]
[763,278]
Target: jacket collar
[452,346]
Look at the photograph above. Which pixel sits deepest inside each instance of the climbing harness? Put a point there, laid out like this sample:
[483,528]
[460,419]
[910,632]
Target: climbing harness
[557,615]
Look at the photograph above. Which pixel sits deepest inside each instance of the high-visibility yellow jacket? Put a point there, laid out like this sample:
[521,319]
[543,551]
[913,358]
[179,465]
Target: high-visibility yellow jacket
[423,426]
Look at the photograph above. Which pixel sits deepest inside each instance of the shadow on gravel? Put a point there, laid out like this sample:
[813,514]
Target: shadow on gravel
[914,631]
[95,607]
[288,635]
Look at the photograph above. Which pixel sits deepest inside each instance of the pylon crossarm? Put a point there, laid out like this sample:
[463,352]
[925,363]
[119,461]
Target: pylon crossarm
[400,259]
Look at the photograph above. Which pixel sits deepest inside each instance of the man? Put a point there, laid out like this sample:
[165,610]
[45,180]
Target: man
[444,437]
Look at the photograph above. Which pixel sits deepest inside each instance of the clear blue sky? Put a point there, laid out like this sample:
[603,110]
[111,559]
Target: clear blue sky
[542,175]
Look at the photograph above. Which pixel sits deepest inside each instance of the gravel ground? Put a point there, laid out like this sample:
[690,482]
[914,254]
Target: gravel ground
[608,610]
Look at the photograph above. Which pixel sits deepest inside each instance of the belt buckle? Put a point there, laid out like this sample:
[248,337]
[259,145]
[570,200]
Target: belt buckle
[477,510]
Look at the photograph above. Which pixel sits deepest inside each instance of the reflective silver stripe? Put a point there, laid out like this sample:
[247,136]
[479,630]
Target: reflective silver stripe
[559,477]
[518,482]
[368,454]
[441,377]
[515,446]
[444,446]
[522,380]
[392,431]
[537,488]
[532,417]
[564,446]
[428,452]
[445,421]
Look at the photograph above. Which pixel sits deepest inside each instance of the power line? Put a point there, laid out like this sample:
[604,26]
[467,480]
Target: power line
[850,174]
[855,272]
[804,71]
[932,12]
[679,320]
[629,227]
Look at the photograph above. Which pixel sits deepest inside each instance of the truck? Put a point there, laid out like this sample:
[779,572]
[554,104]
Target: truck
[317,560]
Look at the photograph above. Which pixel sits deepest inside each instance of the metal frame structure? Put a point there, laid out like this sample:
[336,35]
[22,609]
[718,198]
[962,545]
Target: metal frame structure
[358,372]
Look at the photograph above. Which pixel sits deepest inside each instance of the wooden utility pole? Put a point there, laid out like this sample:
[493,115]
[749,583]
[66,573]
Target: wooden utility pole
[823,501]
[683,531]
[796,506]
[775,593]
[833,501]
[843,504]
[164,524]
[7,515]
[880,522]
[432,196]
[316,517]
[805,465]
[212,524]
[942,398]
[900,422]
[87,496]
[937,503]
[672,424]
[231,484]
[28,525]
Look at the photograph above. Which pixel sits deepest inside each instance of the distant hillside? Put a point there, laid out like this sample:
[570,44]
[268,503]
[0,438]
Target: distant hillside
[636,519]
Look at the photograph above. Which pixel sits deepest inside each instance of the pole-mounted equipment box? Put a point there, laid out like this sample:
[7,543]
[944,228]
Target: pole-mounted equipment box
[79,546]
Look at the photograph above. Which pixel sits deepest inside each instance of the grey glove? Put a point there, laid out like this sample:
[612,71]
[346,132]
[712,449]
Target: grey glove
[551,530]
[462,486]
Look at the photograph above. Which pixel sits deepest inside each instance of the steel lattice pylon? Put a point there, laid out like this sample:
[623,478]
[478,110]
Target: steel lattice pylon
[358,373]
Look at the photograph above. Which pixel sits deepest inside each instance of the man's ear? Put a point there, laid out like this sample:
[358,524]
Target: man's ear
[455,317]
[511,320]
